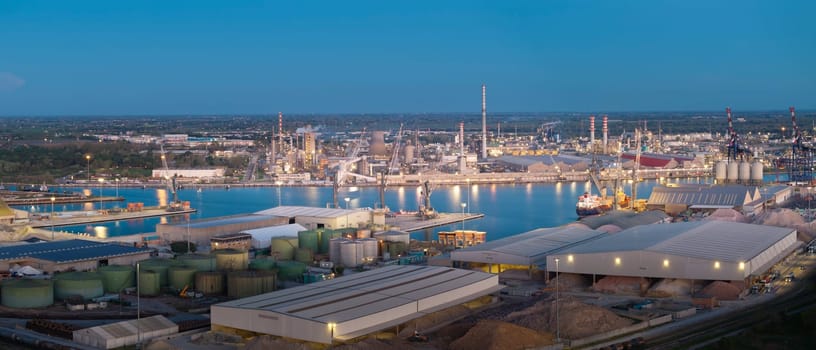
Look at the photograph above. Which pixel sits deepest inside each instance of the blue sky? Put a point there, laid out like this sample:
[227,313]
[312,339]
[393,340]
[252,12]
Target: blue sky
[211,57]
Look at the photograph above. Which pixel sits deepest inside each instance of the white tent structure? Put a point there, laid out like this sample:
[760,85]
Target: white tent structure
[262,237]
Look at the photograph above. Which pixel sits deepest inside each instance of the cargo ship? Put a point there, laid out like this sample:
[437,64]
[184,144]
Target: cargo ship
[590,204]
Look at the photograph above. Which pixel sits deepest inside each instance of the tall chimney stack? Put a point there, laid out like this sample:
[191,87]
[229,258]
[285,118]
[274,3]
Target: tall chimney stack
[484,121]
[280,131]
[592,131]
[605,127]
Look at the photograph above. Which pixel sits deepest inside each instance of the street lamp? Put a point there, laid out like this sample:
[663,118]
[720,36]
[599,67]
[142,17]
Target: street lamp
[88,158]
[53,199]
[463,215]
[557,325]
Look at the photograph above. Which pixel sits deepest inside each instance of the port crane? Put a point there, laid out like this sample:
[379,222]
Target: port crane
[735,148]
[344,169]
[394,163]
[800,164]
[170,182]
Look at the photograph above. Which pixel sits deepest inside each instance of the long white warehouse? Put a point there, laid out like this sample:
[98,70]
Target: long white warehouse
[702,250]
[355,305]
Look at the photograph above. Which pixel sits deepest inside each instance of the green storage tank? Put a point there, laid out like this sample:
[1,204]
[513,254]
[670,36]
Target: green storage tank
[181,276]
[115,278]
[304,255]
[27,293]
[396,248]
[283,248]
[210,283]
[149,282]
[326,237]
[291,270]
[200,262]
[309,239]
[262,264]
[87,285]
[231,260]
[160,266]
[242,284]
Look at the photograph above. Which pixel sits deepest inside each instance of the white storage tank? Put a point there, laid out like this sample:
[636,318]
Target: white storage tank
[351,253]
[409,154]
[369,249]
[334,249]
[744,171]
[719,171]
[757,172]
[732,172]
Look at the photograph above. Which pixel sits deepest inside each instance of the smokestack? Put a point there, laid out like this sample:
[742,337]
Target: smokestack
[484,121]
[591,130]
[462,138]
[605,127]
[280,131]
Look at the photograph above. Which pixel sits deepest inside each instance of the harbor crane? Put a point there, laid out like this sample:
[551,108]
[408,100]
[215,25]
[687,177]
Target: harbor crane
[394,163]
[170,182]
[800,164]
[344,169]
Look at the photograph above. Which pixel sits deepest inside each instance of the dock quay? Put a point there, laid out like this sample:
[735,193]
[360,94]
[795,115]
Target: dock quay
[107,216]
[60,200]
[410,223]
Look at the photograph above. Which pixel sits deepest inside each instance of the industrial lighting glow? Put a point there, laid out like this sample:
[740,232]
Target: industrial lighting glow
[665,262]
[716,264]
[741,266]
[617,261]
[570,258]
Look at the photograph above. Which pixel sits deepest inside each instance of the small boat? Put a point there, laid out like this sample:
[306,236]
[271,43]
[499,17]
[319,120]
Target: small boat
[198,190]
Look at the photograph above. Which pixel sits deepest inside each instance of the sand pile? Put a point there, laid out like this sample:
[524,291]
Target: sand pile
[498,335]
[621,285]
[264,342]
[669,288]
[567,281]
[806,232]
[609,228]
[721,290]
[729,215]
[780,218]
[577,320]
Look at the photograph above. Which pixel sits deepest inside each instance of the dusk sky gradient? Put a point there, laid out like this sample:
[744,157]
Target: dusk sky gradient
[261,57]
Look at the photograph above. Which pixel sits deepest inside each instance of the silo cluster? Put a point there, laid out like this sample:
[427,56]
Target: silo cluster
[742,172]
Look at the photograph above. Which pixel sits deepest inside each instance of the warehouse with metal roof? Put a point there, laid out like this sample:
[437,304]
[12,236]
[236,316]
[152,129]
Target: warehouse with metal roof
[316,218]
[354,305]
[677,198]
[74,254]
[201,231]
[262,237]
[700,250]
[528,249]
[619,220]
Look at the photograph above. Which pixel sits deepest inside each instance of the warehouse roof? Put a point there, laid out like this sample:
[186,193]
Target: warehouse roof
[262,237]
[527,248]
[624,218]
[221,221]
[67,251]
[358,304]
[704,194]
[710,239]
[293,211]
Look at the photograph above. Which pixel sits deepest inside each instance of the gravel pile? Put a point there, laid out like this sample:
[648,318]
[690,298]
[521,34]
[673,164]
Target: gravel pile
[721,290]
[669,288]
[621,285]
[498,335]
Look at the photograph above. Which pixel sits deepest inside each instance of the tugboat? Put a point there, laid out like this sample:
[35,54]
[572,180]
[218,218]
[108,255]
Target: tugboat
[590,204]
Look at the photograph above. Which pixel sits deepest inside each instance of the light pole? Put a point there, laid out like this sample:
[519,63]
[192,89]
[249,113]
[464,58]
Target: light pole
[88,158]
[101,182]
[138,308]
[557,325]
[347,199]
[468,194]
[464,205]
[117,187]
[53,199]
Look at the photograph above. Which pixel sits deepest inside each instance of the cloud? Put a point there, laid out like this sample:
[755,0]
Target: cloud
[10,82]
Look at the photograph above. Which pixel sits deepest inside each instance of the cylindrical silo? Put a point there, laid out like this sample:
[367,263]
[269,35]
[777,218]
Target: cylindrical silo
[181,276]
[732,172]
[87,285]
[242,284]
[744,172]
[409,154]
[149,282]
[334,249]
[210,283]
[116,278]
[283,248]
[231,260]
[326,237]
[363,233]
[290,270]
[27,293]
[262,264]
[160,266]
[309,239]
[351,254]
[304,255]
[757,172]
[720,171]
[200,262]
[369,249]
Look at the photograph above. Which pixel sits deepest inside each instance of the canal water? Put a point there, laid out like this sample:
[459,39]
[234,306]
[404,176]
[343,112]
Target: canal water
[509,209]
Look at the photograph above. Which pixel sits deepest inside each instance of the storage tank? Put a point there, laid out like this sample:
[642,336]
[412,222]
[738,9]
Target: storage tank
[231,260]
[326,237]
[720,171]
[242,284]
[304,255]
[87,285]
[283,248]
[732,172]
[27,293]
[115,278]
[369,249]
[149,282]
[377,145]
[757,172]
[363,233]
[200,262]
[181,276]
[210,283]
[309,239]
[290,270]
[160,266]
[396,249]
[351,254]
[334,249]
[263,264]
[408,157]
[394,236]
[744,172]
